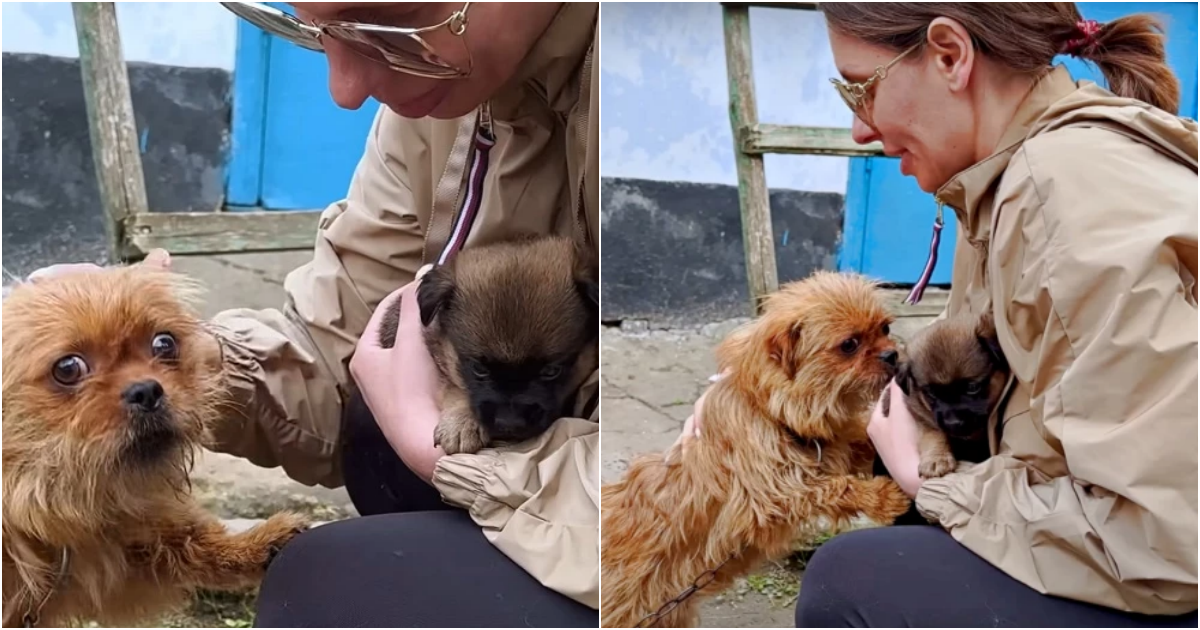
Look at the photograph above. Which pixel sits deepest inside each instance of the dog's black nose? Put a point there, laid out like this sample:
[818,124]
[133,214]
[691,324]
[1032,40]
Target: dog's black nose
[143,395]
[889,357]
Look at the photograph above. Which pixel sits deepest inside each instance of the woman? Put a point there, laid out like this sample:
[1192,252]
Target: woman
[488,129]
[1077,211]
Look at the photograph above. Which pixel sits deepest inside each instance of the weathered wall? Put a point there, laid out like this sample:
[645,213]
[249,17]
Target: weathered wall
[672,251]
[52,209]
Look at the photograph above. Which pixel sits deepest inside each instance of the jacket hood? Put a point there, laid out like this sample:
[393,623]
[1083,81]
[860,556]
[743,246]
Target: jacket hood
[1056,101]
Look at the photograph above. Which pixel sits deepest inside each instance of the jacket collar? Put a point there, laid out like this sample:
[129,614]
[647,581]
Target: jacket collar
[552,65]
[967,192]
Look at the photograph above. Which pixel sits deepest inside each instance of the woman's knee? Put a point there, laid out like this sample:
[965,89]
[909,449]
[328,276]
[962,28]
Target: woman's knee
[846,571]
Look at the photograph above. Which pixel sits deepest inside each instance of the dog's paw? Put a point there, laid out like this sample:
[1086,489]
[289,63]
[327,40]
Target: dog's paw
[889,503]
[276,532]
[461,436]
[937,466]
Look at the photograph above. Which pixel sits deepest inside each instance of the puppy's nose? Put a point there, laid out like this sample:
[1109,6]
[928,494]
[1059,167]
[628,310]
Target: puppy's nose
[143,395]
[889,357]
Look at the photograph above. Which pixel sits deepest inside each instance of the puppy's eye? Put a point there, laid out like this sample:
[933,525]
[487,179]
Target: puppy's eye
[480,371]
[974,389]
[551,372]
[163,347]
[849,345]
[887,330]
[70,370]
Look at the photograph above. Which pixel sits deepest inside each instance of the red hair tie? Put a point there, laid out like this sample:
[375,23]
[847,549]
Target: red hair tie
[1087,29]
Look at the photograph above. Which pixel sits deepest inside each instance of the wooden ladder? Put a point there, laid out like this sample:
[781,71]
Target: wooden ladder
[131,229]
[752,140]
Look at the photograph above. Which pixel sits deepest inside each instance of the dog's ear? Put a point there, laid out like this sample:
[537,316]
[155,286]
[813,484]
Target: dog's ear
[435,293]
[781,346]
[904,377]
[985,332]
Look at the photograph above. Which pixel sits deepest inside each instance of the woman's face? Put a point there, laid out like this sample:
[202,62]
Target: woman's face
[497,38]
[918,111]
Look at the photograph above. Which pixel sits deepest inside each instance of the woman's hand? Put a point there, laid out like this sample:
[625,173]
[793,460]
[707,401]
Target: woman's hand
[401,384]
[691,426]
[895,438]
[156,258]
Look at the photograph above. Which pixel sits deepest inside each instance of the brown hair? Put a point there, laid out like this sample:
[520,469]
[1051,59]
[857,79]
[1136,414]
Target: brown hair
[1026,36]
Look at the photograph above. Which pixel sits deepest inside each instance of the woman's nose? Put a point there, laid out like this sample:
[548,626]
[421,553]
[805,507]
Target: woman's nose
[862,133]
[349,75]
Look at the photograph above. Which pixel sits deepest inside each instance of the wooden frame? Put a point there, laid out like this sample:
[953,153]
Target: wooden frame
[753,139]
[131,229]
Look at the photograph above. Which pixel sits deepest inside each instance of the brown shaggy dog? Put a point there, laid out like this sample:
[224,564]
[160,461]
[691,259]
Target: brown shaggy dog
[109,383]
[784,444]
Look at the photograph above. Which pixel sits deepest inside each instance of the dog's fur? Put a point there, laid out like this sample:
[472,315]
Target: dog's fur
[512,327]
[89,469]
[953,374]
[803,376]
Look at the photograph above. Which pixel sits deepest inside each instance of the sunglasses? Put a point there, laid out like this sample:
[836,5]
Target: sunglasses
[858,95]
[400,48]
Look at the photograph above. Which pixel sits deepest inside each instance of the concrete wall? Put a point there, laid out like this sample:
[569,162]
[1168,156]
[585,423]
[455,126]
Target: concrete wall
[180,60]
[672,248]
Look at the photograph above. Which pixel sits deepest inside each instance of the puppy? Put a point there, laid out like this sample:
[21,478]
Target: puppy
[109,385]
[784,445]
[953,376]
[513,329]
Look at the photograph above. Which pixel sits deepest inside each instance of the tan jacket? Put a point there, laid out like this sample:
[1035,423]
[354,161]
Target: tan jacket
[288,368]
[1080,235]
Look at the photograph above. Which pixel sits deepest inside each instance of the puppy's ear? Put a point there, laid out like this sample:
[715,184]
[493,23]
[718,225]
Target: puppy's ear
[985,332]
[435,293]
[587,275]
[904,377]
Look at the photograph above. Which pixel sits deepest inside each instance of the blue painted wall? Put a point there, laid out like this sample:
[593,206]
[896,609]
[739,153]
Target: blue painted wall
[889,219]
[293,148]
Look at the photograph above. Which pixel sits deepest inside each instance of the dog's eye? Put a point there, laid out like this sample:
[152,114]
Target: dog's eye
[163,347]
[551,372]
[974,389]
[887,330]
[70,370]
[480,371]
[850,345]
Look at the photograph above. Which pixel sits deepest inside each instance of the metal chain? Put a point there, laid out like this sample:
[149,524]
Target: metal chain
[706,578]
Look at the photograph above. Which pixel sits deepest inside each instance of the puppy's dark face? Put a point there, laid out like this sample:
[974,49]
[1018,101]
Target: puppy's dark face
[516,326]
[107,376]
[954,375]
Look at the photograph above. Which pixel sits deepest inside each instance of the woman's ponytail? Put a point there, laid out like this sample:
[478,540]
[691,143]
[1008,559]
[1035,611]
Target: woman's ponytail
[1131,53]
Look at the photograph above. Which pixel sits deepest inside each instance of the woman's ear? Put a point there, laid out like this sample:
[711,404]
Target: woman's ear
[953,52]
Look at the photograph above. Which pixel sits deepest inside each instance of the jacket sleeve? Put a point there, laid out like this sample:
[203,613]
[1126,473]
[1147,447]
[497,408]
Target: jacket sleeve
[1113,391]
[539,504]
[286,370]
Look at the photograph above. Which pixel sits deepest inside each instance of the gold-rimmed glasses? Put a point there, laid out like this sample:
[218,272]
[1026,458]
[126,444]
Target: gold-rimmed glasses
[399,48]
[858,95]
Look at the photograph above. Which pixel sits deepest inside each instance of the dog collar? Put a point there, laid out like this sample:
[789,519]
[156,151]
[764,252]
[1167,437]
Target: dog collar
[33,616]
[804,442]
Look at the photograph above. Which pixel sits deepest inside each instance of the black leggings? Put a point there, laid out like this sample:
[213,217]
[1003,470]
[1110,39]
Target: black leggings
[409,561]
[919,576]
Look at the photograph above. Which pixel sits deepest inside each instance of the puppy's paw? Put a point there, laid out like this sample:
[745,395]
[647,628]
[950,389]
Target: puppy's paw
[459,435]
[936,465]
[270,536]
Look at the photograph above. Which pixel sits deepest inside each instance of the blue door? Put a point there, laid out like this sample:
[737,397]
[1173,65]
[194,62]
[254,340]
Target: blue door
[889,220]
[292,147]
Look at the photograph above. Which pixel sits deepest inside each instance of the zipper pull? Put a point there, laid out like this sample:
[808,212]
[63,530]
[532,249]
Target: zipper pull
[485,120]
[918,290]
